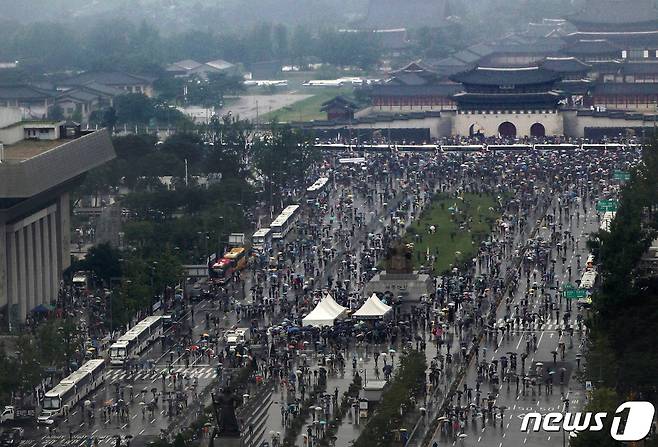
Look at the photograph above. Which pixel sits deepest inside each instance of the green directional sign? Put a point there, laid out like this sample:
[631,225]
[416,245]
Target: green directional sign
[575,293]
[606,205]
[621,175]
[568,286]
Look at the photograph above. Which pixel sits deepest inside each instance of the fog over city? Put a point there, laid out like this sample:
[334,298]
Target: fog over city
[328,223]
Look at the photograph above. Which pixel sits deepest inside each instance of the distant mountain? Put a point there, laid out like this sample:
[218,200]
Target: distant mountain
[178,15]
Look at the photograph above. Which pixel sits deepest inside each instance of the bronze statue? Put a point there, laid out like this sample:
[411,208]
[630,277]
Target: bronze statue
[224,409]
[398,258]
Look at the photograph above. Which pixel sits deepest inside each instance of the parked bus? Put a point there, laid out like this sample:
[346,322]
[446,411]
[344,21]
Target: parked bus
[606,220]
[136,340]
[233,261]
[262,239]
[588,279]
[67,393]
[284,222]
[81,280]
[317,188]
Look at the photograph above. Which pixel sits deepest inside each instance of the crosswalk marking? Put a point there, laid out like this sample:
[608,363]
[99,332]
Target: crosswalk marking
[64,440]
[191,372]
[549,324]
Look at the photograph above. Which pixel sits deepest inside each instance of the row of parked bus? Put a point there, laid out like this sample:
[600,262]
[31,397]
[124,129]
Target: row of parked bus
[67,393]
[285,222]
[72,389]
[131,344]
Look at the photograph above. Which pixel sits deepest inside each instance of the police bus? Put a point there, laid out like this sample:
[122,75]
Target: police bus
[136,340]
[285,222]
[261,239]
[317,188]
[67,393]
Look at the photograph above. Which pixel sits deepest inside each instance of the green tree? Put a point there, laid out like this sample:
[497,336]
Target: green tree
[210,92]
[30,367]
[46,46]
[104,261]
[301,45]
[185,146]
[134,108]
[282,158]
[604,400]
[281,44]
[230,145]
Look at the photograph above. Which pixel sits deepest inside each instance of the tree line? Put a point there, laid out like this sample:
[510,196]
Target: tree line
[621,359]
[115,44]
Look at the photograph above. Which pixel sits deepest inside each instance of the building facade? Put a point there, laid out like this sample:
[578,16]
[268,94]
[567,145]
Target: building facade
[36,176]
[414,87]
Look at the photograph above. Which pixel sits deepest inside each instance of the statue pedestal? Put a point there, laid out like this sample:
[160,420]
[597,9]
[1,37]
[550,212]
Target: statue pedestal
[410,286]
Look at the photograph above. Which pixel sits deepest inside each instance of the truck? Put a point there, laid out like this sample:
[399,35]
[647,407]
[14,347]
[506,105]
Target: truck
[238,336]
[11,413]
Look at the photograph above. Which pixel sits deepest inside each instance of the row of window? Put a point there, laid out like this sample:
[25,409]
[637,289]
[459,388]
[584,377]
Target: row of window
[626,99]
[33,132]
[637,79]
[412,101]
[638,54]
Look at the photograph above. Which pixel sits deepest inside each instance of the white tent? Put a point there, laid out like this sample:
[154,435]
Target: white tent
[325,313]
[373,308]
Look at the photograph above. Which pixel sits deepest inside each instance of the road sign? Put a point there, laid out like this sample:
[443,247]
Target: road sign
[606,205]
[575,293]
[621,175]
[568,286]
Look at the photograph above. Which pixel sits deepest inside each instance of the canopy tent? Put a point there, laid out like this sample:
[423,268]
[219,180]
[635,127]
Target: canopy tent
[325,313]
[373,308]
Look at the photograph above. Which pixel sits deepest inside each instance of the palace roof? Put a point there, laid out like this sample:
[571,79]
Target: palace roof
[338,102]
[565,65]
[506,76]
[415,90]
[592,47]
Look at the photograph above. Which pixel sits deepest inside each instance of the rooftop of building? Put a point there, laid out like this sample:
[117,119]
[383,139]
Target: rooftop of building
[506,76]
[565,65]
[108,78]
[26,149]
[25,92]
[590,47]
[32,167]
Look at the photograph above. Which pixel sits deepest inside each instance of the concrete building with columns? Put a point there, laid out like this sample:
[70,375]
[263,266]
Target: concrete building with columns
[36,177]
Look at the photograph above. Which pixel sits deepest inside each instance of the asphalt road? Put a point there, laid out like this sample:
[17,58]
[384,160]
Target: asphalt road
[517,402]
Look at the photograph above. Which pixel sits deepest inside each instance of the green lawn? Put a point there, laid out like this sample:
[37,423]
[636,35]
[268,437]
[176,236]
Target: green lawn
[309,108]
[458,232]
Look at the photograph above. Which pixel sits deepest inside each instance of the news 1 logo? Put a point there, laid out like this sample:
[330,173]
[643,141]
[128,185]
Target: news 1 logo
[637,427]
